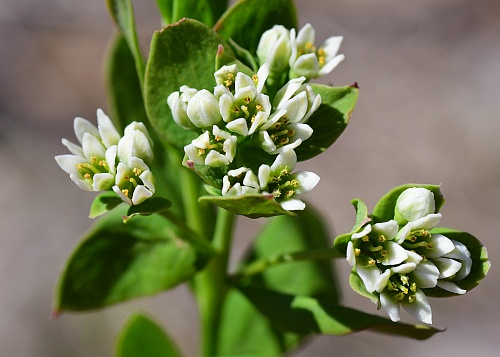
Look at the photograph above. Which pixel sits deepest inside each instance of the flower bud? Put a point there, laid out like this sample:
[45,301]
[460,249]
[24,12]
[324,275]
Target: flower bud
[203,109]
[275,48]
[414,203]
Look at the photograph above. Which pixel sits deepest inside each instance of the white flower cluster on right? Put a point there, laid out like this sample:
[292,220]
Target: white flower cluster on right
[239,116]
[396,261]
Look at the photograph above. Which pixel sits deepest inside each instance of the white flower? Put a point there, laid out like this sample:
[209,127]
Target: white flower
[177,101]
[134,182]
[216,148]
[203,109]
[92,165]
[308,61]
[275,48]
[415,203]
[136,142]
[418,307]
[276,180]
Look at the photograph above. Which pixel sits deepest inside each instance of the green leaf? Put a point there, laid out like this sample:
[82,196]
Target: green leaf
[225,59]
[305,315]
[104,203]
[124,89]
[329,120]
[206,11]
[341,241]
[181,54]
[246,332]
[166,8]
[116,262]
[122,13]
[148,207]
[252,206]
[248,19]
[384,209]
[141,336]
[480,262]
[286,234]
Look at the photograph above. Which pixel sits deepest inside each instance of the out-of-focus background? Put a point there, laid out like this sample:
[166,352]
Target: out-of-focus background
[428,112]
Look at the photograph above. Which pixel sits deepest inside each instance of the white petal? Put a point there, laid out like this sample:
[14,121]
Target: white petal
[102,182]
[413,257]
[121,172]
[305,35]
[332,46]
[263,72]
[83,184]
[307,181]
[92,147]
[350,254]
[367,229]
[109,134]
[450,286]
[462,254]
[330,65]
[395,254]
[286,160]
[390,307]
[192,153]
[447,267]
[202,141]
[287,91]
[148,180]
[440,246]
[135,144]
[296,108]
[426,275]
[260,119]
[111,158]
[82,126]
[73,148]
[216,159]
[265,142]
[226,107]
[302,131]
[238,126]
[140,194]
[369,275]
[251,180]
[122,196]
[388,229]
[293,205]
[238,172]
[203,109]
[306,65]
[230,148]
[428,222]
[420,308]
[225,185]
[264,174]
[404,268]
[382,281]
[244,82]
[69,163]
[415,203]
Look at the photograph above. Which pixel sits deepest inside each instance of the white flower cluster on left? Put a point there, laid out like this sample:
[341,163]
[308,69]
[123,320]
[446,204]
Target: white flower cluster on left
[107,161]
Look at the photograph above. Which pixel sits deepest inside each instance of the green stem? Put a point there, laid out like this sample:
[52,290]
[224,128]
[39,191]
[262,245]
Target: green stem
[261,265]
[211,284]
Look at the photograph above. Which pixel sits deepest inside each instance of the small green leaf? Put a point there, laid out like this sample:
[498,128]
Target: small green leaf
[480,262]
[329,120]
[384,209]
[122,13]
[148,207]
[341,241]
[252,206]
[181,54]
[305,315]
[247,20]
[116,262]
[246,332]
[104,203]
[206,11]
[124,89]
[141,336]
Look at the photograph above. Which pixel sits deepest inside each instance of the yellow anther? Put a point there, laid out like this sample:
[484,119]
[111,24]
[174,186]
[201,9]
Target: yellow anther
[294,183]
[412,298]
[228,83]
[80,166]
[381,238]
[276,193]
[290,133]
[201,152]
[321,51]
[218,138]
[284,141]
[290,193]
[137,171]
[93,159]
[357,252]
[321,60]
[365,239]
[247,100]
[125,192]
[253,118]
[102,163]
[309,45]
[284,172]
[236,109]
[258,107]
[372,262]
[87,176]
[399,296]
[429,245]
[404,279]
[413,287]
[384,253]
[255,78]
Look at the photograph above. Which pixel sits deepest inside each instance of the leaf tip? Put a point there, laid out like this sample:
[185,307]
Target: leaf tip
[54,314]
[355,85]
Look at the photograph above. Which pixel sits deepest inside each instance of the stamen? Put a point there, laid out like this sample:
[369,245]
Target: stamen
[201,152]
[93,159]
[137,171]
[87,176]
[365,239]
[247,100]
[133,182]
[357,252]
[258,107]
[290,193]
[372,262]
[412,298]
[125,192]
[381,238]
[245,110]
[255,78]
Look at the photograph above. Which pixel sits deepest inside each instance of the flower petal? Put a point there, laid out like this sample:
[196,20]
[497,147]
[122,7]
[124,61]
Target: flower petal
[369,275]
[390,307]
[293,205]
[420,308]
[107,130]
[451,287]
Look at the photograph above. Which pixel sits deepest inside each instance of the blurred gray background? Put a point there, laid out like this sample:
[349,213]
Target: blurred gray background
[428,112]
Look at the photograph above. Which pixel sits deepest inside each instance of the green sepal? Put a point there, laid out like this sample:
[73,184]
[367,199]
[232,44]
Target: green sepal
[357,284]
[252,206]
[340,242]
[385,208]
[329,120]
[123,86]
[141,336]
[247,20]
[181,54]
[480,262]
[211,175]
[306,315]
[122,13]
[148,207]
[104,203]
[116,262]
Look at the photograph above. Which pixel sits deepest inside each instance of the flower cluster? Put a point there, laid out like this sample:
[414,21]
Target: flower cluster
[398,258]
[107,161]
[237,116]
[286,50]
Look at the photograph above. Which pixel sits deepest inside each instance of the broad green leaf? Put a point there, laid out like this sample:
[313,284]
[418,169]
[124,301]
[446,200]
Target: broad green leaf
[246,332]
[329,120]
[384,209]
[116,262]
[142,337]
[480,262]
[252,206]
[286,234]
[306,315]
[181,54]
[122,13]
[148,207]
[206,11]
[246,20]
[124,89]
[104,203]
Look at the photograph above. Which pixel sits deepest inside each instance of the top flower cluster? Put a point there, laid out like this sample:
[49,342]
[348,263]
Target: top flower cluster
[107,161]
[398,258]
